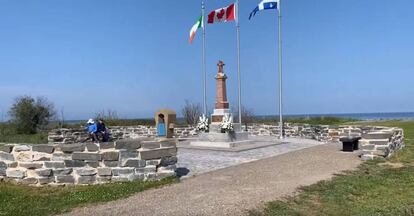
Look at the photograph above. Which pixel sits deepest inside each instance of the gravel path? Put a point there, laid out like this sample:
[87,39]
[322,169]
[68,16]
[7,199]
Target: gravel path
[236,189]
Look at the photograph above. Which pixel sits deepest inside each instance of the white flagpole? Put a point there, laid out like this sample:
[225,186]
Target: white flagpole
[280,71]
[204,60]
[238,60]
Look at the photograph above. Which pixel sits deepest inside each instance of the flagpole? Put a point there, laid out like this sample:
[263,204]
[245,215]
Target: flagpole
[238,60]
[280,71]
[204,60]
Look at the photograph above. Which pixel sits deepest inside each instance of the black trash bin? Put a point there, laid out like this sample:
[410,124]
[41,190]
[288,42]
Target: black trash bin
[349,144]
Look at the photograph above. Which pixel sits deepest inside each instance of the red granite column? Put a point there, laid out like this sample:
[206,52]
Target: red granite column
[221,90]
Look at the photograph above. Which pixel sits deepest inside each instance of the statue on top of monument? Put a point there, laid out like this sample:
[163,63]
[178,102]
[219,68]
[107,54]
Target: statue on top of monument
[220,65]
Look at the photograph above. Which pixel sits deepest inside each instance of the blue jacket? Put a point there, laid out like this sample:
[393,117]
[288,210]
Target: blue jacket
[92,128]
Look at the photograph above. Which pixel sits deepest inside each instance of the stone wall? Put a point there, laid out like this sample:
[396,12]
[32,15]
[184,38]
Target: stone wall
[89,163]
[383,142]
[68,136]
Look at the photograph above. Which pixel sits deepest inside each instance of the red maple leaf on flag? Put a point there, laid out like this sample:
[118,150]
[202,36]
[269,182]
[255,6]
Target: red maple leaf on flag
[221,14]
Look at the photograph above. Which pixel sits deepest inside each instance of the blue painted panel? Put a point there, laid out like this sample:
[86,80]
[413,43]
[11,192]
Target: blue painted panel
[161,129]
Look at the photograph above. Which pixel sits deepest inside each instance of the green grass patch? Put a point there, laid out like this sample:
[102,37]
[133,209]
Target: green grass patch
[8,134]
[373,189]
[24,200]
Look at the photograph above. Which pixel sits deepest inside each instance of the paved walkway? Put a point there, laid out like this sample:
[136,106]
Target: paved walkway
[201,161]
[234,190]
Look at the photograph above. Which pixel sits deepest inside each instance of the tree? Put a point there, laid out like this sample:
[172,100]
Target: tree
[191,112]
[30,115]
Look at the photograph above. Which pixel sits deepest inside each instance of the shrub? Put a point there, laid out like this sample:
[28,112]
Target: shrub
[30,115]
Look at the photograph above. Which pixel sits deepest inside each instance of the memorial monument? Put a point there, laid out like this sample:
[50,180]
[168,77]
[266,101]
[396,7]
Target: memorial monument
[217,137]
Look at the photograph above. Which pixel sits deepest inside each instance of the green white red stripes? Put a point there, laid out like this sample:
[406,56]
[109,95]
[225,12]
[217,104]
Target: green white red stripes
[196,26]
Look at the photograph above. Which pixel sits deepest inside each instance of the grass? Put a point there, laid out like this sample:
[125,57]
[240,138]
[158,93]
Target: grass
[373,189]
[24,200]
[8,135]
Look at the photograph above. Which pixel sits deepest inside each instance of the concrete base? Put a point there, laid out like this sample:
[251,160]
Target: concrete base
[223,137]
[220,144]
[254,143]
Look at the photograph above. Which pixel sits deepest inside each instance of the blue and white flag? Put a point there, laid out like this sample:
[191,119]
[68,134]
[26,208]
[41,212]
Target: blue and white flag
[265,5]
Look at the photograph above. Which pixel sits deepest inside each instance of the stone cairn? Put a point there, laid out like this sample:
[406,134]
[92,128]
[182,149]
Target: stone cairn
[89,163]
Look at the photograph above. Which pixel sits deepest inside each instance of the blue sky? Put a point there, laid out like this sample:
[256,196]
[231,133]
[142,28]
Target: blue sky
[133,56]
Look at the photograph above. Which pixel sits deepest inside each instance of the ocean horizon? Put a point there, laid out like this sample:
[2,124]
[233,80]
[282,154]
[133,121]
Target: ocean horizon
[382,116]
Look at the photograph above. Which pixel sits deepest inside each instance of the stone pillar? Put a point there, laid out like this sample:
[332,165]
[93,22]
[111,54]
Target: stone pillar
[221,90]
[222,105]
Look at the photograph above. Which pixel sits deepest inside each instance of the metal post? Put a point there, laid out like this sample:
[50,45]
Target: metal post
[238,60]
[280,71]
[204,60]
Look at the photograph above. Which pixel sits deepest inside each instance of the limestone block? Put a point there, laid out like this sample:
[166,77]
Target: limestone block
[2,171]
[45,180]
[93,164]
[158,153]
[125,155]
[86,180]
[168,143]
[165,173]
[110,156]
[16,173]
[92,147]
[128,144]
[150,145]
[106,145]
[146,170]
[119,179]
[6,156]
[151,176]
[104,171]
[43,172]
[74,163]
[378,135]
[155,162]
[103,179]
[86,172]
[165,161]
[40,156]
[20,148]
[86,156]
[79,147]
[43,148]
[28,181]
[6,148]
[54,164]
[134,163]
[62,171]
[381,147]
[61,157]
[65,179]
[31,165]
[122,171]
[111,163]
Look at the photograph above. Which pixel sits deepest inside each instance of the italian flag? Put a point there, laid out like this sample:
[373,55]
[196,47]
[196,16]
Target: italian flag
[196,26]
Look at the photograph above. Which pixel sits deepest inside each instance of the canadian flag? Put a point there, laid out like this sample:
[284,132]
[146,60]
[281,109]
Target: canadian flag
[223,14]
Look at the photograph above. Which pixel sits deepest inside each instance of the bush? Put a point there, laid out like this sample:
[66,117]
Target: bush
[30,115]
